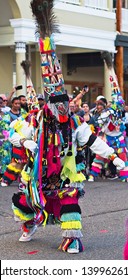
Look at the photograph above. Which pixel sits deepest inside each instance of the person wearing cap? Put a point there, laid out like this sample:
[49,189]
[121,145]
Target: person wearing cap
[41,100]
[99,97]
[93,106]
[99,109]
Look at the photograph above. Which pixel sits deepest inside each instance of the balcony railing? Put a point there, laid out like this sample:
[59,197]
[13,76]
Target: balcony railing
[125,20]
[75,2]
[95,4]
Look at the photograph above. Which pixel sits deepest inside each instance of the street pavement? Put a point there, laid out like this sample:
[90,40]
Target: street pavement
[104,212]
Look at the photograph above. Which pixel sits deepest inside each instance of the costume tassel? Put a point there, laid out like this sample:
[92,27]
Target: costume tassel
[40,166]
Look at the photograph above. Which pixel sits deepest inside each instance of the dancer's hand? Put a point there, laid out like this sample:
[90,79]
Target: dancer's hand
[119,163]
[15,139]
[30,145]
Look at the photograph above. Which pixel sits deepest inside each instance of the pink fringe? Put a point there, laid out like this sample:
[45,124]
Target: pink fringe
[96,169]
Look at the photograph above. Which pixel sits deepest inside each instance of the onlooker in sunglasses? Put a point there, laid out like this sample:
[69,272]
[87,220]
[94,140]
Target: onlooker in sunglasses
[5,108]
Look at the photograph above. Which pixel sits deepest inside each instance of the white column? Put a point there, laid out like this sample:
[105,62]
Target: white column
[20,49]
[107,84]
[110,5]
[24,33]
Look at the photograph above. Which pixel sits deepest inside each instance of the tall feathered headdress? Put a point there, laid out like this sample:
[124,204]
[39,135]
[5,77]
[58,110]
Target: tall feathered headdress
[45,19]
[53,82]
[117,100]
[32,100]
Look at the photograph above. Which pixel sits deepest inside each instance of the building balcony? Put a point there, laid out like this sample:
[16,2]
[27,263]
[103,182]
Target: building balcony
[75,2]
[86,24]
[125,20]
[99,5]
[93,4]
[124,25]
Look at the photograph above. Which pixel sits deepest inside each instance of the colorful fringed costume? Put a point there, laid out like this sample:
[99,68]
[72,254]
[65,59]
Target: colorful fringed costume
[5,146]
[19,155]
[115,127]
[112,123]
[99,163]
[53,179]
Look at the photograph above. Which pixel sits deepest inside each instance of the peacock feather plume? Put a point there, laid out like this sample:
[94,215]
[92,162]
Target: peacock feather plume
[106,56]
[31,94]
[53,81]
[26,65]
[45,18]
[116,95]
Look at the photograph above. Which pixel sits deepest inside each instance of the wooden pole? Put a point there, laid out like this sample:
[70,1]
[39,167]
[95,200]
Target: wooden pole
[120,51]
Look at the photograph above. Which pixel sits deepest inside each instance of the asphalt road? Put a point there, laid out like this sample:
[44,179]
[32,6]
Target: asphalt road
[104,212]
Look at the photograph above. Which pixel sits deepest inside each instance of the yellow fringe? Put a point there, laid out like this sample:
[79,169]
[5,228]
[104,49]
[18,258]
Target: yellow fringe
[25,176]
[18,125]
[46,217]
[71,193]
[92,128]
[12,168]
[22,216]
[71,225]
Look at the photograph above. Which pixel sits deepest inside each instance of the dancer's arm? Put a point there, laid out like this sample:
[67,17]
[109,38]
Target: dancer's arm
[81,94]
[84,137]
